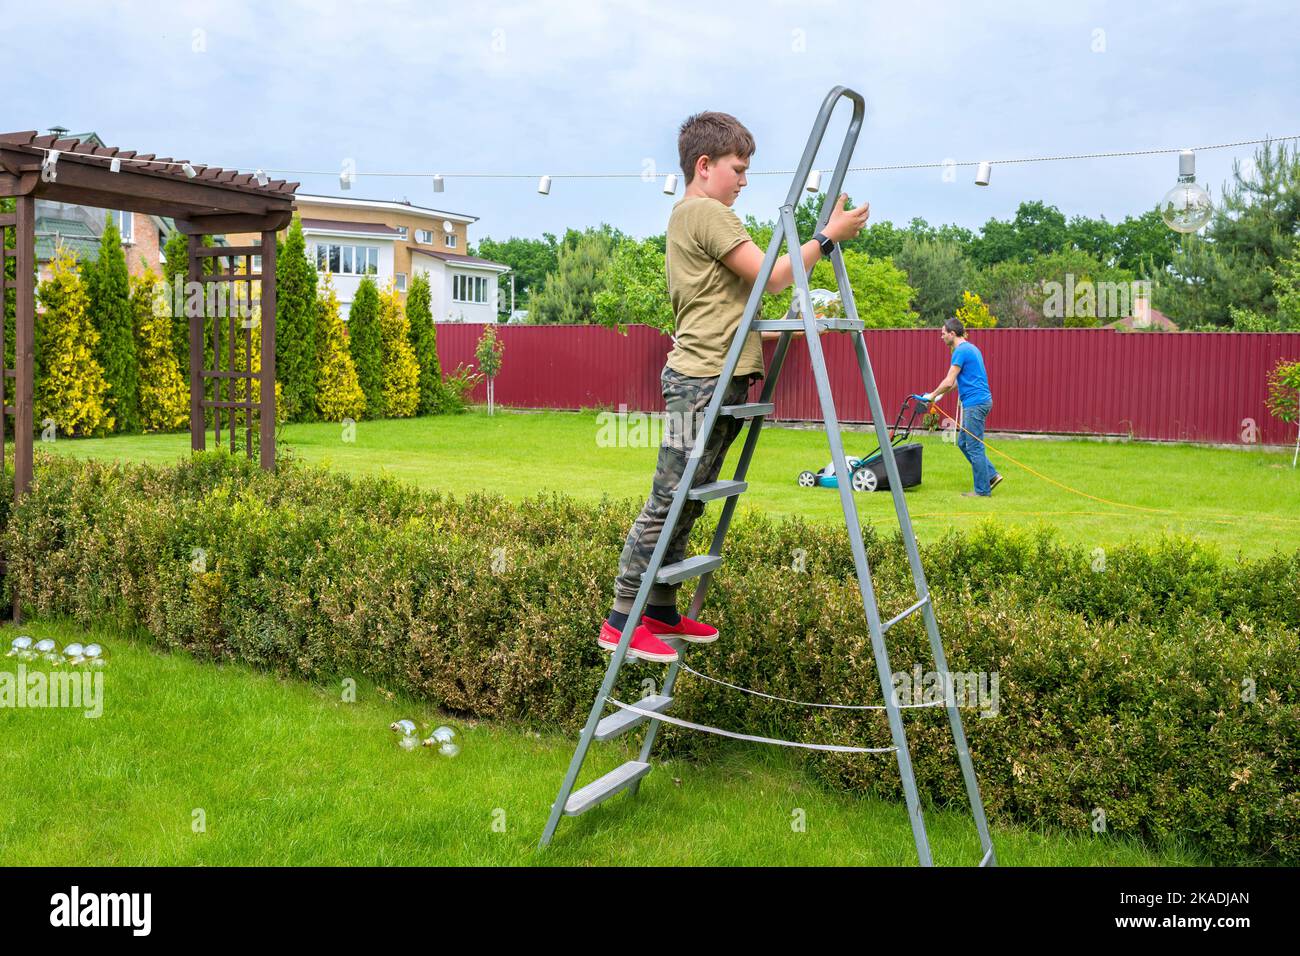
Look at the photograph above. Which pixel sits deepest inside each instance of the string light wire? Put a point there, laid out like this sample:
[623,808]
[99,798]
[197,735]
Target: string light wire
[887,167]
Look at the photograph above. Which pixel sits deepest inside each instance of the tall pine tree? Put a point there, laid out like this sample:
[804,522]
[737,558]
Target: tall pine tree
[108,295]
[296,310]
[424,340]
[365,342]
[1255,221]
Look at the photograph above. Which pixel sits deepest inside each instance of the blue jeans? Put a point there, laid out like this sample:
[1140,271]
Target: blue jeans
[972,445]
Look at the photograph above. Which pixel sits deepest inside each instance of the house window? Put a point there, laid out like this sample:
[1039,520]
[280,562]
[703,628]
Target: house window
[125,223]
[345,260]
[451,240]
[424,236]
[467,288]
[401,281]
[401,231]
[257,264]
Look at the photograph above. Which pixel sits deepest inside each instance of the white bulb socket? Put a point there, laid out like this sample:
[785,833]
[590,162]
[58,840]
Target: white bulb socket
[670,184]
[814,182]
[544,185]
[982,173]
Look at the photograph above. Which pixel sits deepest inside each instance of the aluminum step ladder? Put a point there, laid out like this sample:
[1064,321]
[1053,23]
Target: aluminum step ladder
[571,802]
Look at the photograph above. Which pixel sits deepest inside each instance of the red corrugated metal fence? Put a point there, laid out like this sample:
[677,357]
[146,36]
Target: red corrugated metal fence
[1185,386]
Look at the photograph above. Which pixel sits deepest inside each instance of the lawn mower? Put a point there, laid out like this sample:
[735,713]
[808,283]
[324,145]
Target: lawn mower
[868,474]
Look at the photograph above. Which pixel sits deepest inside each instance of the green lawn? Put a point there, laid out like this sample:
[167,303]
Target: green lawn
[1239,500]
[285,772]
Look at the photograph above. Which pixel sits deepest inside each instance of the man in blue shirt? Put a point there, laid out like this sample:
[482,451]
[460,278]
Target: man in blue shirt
[972,383]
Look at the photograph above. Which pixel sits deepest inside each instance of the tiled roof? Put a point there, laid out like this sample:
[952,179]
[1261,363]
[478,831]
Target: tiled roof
[91,150]
[338,225]
[86,250]
[453,257]
[68,227]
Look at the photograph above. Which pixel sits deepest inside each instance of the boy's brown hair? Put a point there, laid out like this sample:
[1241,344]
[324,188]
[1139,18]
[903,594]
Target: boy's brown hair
[713,135]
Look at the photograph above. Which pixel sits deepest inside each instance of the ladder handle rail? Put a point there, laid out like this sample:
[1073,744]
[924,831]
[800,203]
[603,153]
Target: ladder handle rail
[815,141]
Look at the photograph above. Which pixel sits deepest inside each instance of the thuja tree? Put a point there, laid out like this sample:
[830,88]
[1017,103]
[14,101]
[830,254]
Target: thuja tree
[424,340]
[296,310]
[108,297]
[365,342]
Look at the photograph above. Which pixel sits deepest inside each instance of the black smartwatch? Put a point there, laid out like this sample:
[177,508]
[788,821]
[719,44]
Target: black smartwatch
[827,245]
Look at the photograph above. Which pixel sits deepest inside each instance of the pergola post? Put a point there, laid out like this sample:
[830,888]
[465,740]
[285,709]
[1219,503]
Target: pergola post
[194,273]
[24,351]
[267,381]
[24,342]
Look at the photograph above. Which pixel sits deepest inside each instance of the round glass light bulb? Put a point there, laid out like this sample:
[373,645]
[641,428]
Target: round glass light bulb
[1186,207]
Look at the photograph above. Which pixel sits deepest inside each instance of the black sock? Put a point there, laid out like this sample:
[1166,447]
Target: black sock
[664,612]
[617,619]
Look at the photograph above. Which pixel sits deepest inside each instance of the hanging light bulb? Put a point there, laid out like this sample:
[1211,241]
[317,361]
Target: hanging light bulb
[115,166]
[189,170]
[814,181]
[437,182]
[670,184]
[49,166]
[345,180]
[544,185]
[1187,206]
[261,177]
[982,173]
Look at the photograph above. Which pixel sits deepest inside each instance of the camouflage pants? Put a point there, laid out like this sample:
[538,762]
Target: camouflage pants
[685,399]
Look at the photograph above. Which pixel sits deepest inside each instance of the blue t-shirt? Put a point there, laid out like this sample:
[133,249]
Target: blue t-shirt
[972,381]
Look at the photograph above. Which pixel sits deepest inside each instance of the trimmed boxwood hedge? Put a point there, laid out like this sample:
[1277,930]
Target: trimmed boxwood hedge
[1124,689]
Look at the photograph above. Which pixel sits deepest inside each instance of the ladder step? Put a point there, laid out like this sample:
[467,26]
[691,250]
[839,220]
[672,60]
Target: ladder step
[823,325]
[911,610]
[694,567]
[749,410]
[717,489]
[620,778]
[624,720]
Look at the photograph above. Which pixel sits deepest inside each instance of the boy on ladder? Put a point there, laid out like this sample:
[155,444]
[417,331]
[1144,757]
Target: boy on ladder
[712,265]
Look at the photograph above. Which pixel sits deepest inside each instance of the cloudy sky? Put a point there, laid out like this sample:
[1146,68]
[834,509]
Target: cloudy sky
[586,87]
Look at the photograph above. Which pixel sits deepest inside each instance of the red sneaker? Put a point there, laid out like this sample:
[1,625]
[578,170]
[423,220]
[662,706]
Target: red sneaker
[686,629]
[644,644]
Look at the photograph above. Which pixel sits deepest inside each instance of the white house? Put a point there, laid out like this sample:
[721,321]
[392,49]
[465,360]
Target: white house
[463,288]
[392,241]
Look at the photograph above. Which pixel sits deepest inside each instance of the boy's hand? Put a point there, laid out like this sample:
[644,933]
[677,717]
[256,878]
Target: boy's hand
[846,223]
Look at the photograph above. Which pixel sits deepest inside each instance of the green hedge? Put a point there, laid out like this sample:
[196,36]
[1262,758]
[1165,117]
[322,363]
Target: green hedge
[1118,689]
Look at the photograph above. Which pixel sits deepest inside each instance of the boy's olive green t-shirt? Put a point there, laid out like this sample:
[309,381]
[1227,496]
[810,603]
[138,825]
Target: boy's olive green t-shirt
[708,299]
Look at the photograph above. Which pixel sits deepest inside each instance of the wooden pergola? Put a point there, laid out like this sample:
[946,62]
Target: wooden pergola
[204,201]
